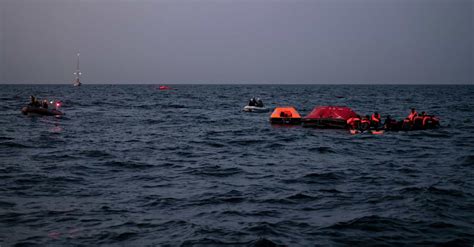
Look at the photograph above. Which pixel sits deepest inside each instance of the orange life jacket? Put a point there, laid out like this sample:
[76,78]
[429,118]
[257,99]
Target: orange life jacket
[352,121]
[363,121]
[376,118]
[418,118]
[426,119]
[412,116]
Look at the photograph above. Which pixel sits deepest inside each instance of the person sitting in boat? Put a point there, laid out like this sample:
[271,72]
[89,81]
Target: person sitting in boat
[389,123]
[284,114]
[45,104]
[259,102]
[430,121]
[418,120]
[412,115]
[252,102]
[375,120]
[34,102]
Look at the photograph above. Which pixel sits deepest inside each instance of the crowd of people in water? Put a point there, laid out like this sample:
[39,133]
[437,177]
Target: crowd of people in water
[413,121]
[34,102]
[255,102]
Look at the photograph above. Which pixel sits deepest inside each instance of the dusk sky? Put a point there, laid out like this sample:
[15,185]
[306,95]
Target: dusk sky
[241,41]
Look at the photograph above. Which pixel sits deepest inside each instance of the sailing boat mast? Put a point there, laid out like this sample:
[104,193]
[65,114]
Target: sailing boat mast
[77,81]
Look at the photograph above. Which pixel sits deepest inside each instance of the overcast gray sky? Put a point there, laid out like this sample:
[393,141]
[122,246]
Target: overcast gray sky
[241,41]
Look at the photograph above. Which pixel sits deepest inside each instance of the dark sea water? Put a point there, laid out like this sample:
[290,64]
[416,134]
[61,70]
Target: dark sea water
[135,166]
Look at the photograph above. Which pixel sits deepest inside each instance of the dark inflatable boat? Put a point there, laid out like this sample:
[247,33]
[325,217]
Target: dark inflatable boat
[33,110]
[419,123]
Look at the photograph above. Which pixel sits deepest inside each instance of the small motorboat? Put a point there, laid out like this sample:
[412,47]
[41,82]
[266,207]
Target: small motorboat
[33,110]
[249,108]
[255,105]
[285,115]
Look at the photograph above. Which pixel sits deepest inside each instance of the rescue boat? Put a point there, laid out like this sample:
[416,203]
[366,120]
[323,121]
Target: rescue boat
[249,108]
[32,110]
[419,123]
[331,117]
[285,115]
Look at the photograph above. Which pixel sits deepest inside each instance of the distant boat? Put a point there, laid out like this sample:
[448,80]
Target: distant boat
[163,87]
[77,81]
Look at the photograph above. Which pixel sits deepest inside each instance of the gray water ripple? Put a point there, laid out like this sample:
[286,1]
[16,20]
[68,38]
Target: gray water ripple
[134,166]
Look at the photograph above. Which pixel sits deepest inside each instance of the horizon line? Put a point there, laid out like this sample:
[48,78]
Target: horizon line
[249,84]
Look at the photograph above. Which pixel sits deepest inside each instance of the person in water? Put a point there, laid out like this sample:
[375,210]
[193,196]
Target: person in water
[365,123]
[354,122]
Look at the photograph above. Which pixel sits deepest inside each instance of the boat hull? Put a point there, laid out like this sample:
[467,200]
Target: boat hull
[285,120]
[29,110]
[255,109]
[324,123]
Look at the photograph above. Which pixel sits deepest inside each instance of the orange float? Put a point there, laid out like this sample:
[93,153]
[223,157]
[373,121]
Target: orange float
[285,115]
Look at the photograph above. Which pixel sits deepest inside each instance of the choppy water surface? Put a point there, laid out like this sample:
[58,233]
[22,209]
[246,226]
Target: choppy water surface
[133,166]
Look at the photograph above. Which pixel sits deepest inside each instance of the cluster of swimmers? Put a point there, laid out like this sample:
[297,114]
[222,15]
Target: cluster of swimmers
[255,102]
[412,121]
[34,102]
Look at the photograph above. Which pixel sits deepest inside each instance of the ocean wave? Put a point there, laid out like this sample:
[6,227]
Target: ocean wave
[127,164]
[314,177]
[432,190]
[132,166]
[215,171]
[14,145]
[321,150]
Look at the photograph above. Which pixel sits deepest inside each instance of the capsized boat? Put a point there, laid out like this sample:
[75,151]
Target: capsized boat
[285,115]
[249,108]
[331,117]
[33,110]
